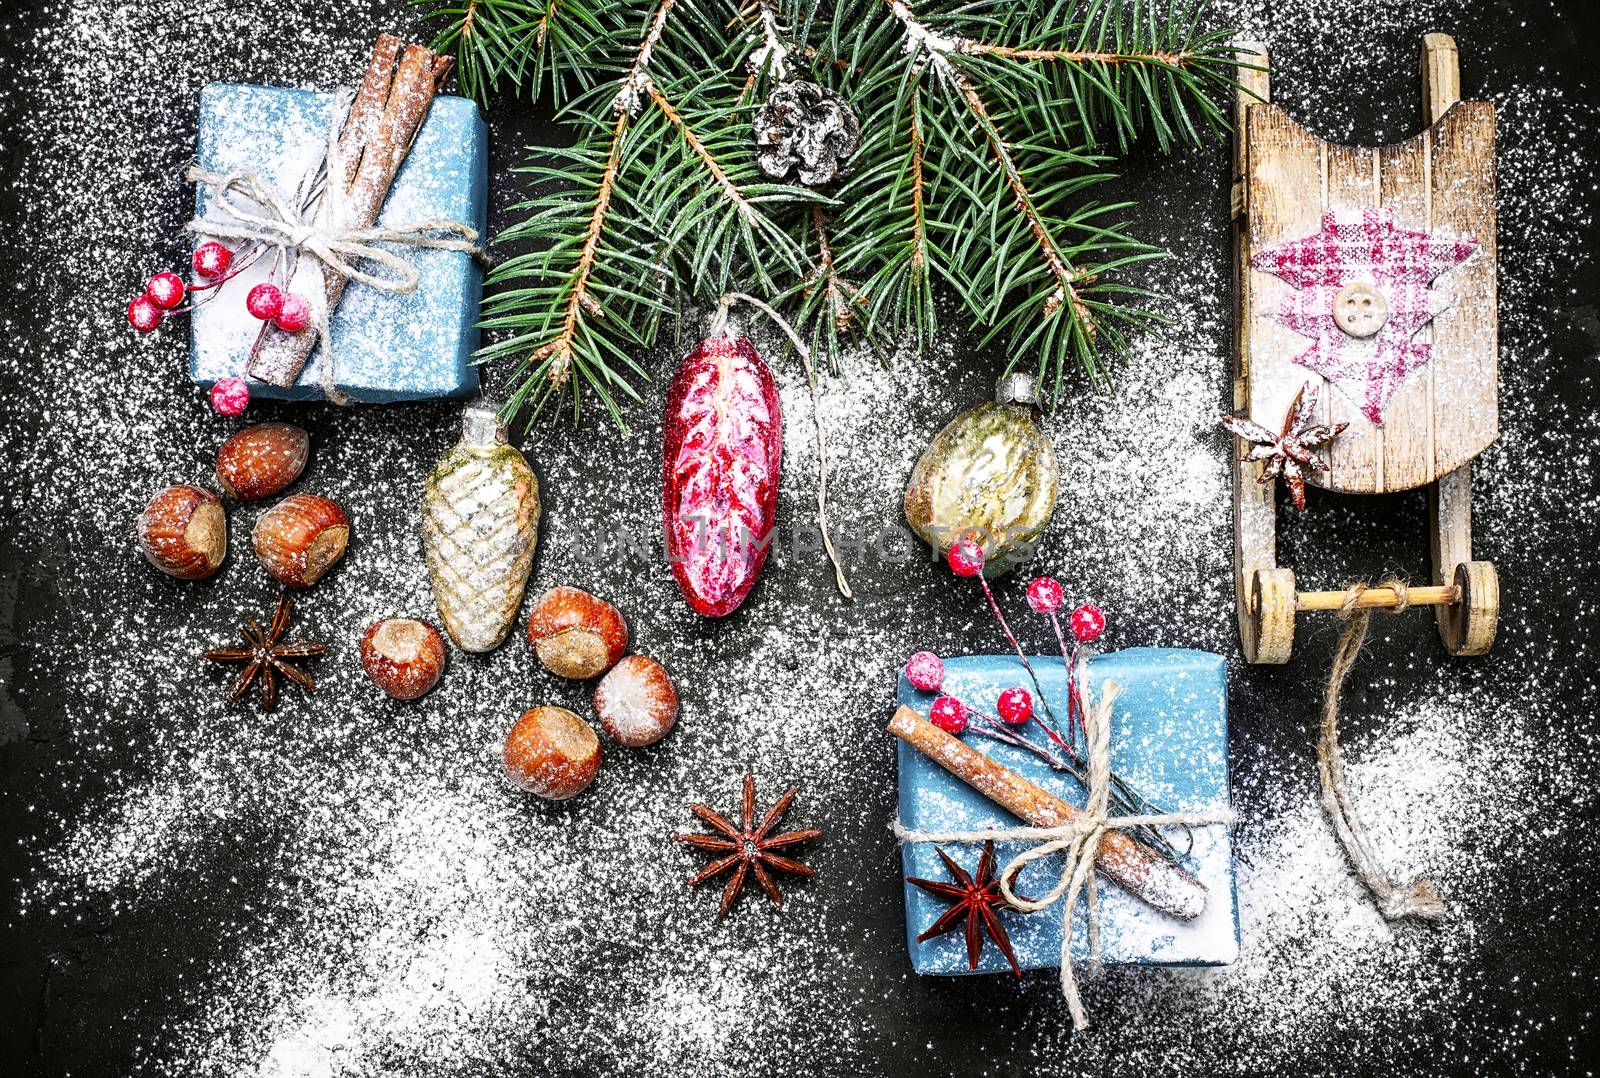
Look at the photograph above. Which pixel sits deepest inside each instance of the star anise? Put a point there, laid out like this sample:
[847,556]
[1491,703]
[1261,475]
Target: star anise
[265,655]
[1288,452]
[975,901]
[748,848]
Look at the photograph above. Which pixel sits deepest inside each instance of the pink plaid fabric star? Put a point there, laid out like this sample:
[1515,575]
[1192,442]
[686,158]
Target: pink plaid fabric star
[1364,252]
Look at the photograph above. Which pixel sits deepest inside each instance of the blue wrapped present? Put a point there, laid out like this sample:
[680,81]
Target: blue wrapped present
[388,347]
[1169,739]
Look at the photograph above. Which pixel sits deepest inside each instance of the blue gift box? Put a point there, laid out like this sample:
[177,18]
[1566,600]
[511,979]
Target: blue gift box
[1169,739]
[387,347]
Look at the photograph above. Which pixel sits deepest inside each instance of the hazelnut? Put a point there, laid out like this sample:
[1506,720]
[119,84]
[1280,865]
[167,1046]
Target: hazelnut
[575,634]
[262,460]
[404,656]
[552,752]
[301,538]
[636,702]
[184,532]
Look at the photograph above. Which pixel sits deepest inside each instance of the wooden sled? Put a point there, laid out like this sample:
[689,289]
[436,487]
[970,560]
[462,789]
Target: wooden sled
[1443,415]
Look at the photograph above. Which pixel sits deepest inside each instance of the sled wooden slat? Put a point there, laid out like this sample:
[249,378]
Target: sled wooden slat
[1466,415]
[1407,434]
[1355,458]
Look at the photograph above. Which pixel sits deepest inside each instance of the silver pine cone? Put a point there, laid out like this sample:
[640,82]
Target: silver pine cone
[480,521]
[808,130]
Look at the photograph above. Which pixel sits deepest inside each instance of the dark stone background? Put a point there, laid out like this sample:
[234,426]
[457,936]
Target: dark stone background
[79,995]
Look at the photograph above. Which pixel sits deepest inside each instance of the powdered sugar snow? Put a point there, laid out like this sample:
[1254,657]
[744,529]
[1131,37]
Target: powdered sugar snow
[352,888]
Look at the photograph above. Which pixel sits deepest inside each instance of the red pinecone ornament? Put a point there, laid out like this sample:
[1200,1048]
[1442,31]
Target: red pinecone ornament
[720,464]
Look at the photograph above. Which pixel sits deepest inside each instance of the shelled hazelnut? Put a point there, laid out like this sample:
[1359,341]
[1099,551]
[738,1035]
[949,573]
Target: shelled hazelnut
[636,702]
[553,753]
[183,531]
[262,460]
[575,634]
[403,655]
[301,538]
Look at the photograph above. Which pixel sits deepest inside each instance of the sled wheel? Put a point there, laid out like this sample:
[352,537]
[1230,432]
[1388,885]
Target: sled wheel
[1270,637]
[1468,626]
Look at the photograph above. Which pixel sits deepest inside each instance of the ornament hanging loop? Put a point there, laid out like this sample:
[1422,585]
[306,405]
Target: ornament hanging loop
[719,328]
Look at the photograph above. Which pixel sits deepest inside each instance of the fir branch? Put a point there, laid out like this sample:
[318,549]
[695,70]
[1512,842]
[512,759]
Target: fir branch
[493,40]
[580,301]
[980,122]
[839,294]
[1065,276]
[915,150]
[938,46]
[719,175]
[637,82]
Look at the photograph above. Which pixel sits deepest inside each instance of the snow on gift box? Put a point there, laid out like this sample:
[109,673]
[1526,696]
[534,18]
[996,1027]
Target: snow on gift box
[388,346]
[1168,737]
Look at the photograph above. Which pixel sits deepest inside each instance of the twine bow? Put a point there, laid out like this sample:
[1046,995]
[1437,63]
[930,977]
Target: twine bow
[258,212]
[1079,840]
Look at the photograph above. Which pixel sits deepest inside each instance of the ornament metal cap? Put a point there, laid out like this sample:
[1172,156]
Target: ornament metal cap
[1018,387]
[480,425]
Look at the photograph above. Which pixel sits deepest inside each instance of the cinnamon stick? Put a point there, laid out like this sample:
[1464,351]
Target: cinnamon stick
[1121,859]
[361,124]
[389,108]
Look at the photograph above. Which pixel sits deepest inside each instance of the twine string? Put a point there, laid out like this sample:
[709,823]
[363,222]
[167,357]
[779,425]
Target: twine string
[1419,898]
[718,328]
[257,212]
[1079,840]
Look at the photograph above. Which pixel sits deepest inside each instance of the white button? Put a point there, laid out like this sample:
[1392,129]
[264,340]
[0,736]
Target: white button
[1360,309]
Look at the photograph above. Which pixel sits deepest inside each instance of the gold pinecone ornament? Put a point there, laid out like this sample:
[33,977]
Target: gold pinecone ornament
[989,475]
[480,522]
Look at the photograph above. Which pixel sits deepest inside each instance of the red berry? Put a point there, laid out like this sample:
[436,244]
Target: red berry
[264,301]
[925,671]
[144,315]
[965,558]
[230,396]
[212,259]
[294,315]
[1088,623]
[1014,706]
[1045,595]
[948,714]
[165,290]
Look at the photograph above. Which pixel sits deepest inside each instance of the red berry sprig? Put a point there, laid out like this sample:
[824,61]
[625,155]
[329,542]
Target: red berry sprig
[1014,706]
[143,314]
[966,558]
[949,715]
[264,301]
[211,260]
[230,396]
[1087,623]
[215,264]
[925,671]
[1045,594]
[165,289]
[294,314]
